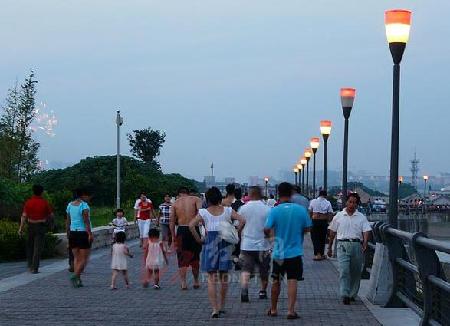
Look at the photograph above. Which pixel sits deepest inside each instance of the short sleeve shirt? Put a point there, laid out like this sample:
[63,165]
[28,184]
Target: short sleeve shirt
[289,222]
[320,205]
[76,216]
[37,208]
[164,210]
[145,215]
[255,213]
[349,226]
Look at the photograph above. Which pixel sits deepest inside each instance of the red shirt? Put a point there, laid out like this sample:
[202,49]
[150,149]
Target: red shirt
[145,205]
[37,208]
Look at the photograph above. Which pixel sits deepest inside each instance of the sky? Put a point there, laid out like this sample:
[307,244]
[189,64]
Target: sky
[243,84]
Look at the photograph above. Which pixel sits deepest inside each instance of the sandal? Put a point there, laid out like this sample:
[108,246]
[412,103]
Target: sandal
[215,315]
[271,314]
[293,316]
[196,287]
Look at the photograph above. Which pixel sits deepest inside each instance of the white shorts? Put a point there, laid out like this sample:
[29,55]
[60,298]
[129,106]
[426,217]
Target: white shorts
[144,227]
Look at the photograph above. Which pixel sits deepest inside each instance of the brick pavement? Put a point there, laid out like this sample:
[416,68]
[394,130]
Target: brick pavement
[52,301]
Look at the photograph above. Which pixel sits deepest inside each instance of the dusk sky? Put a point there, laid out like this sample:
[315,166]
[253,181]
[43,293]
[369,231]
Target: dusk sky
[241,83]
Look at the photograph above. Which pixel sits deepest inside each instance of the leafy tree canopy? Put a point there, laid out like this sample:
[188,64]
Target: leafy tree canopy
[146,145]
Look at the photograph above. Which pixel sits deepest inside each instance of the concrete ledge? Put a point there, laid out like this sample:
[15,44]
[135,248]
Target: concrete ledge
[102,237]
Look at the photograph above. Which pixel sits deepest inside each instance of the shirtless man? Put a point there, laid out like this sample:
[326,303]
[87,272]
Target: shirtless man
[188,250]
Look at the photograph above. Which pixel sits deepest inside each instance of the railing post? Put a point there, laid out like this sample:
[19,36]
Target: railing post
[428,264]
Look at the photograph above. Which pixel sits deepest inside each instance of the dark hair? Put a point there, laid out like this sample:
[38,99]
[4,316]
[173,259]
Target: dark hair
[272,196]
[297,189]
[183,190]
[38,190]
[230,189]
[256,191]
[167,195]
[153,233]
[354,195]
[285,189]
[238,193]
[81,192]
[119,210]
[323,193]
[213,196]
[121,237]
[143,193]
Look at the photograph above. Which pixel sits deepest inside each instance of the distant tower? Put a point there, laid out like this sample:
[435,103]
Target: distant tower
[414,170]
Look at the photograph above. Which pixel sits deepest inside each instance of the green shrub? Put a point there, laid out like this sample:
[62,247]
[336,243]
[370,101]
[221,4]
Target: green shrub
[13,246]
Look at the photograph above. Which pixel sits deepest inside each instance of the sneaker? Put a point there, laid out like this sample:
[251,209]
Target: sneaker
[156,287]
[74,280]
[346,300]
[263,294]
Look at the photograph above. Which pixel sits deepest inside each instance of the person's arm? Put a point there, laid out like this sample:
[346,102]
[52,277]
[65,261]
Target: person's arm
[192,226]
[128,252]
[87,224]
[23,218]
[331,237]
[172,221]
[236,217]
[136,210]
[366,236]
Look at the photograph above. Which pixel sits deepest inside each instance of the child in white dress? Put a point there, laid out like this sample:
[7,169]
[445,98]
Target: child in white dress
[120,223]
[155,258]
[119,253]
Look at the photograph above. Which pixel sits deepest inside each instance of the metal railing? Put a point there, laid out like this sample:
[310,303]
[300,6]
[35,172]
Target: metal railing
[419,281]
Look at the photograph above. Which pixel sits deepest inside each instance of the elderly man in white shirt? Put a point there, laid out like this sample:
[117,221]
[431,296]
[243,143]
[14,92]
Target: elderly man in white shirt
[321,213]
[352,230]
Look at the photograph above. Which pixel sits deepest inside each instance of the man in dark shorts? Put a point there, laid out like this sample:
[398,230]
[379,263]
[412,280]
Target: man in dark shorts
[183,211]
[289,222]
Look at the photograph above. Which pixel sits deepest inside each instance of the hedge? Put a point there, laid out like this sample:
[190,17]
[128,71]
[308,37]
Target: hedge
[13,246]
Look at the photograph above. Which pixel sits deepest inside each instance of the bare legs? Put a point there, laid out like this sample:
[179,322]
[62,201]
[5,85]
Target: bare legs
[292,296]
[217,304]
[275,292]
[152,273]
[80,257]
[115,272]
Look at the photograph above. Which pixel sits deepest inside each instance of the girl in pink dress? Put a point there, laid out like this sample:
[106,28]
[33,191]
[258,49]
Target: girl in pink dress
[156,258]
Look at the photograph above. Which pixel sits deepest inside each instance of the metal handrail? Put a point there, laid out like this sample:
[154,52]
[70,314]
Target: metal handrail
[424,285]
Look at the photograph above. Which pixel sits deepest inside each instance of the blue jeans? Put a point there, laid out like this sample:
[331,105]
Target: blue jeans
[350,258]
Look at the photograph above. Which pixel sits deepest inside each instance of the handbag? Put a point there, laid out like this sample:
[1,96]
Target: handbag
[228,232]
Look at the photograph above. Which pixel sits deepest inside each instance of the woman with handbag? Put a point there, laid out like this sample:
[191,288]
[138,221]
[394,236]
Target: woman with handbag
[217,245]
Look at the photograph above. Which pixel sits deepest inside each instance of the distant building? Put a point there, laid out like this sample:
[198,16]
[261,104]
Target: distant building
[230,180]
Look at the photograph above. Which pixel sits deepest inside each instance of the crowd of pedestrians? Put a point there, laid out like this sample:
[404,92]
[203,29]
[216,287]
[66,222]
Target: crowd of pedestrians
[214,236]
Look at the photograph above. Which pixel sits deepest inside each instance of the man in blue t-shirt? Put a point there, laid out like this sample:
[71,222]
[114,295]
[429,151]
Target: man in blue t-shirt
[288,222]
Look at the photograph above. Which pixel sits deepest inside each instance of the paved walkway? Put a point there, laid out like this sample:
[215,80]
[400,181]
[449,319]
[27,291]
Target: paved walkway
[50,300]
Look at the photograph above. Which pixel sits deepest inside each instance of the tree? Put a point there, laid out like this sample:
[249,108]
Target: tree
[18,148]
[146,145]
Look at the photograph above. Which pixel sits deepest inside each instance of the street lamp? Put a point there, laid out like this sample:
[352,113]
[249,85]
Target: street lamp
[119,122]
[425,180]
[400,180]
[325,130]
[266,180]
[307,154]
[315,142]
[303,162]
[295,170]
[300,169]
[398,23]
[347,98]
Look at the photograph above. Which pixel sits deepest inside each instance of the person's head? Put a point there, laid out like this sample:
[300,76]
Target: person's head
[323,193]
[285,190]
[230,189]
[272,196]
[255,193]
[121,237]
[120,213]
[296,190]
[153,234]
[167,198]
[213,196]
[353,200]
[38,190]
[246,194]
[183,191]
[238,194]
[143,196]
[82,194]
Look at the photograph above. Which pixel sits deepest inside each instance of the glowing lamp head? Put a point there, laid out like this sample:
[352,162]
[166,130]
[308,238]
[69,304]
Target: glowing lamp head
[295,170]
[400,179]
[315,142]
[303,161]
[398,24]
[425,178]
[347,97]
[299,167]
[266,179]
[325,127]
[308,153]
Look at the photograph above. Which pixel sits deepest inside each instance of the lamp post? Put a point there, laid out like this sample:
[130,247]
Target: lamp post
[266,181]
[425,180]
[307,154]
[325,130]
[347,98]
[119,122]
[398,23]
[295,170]
[315,142]
[303,162]
[299,167]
